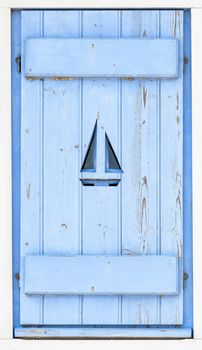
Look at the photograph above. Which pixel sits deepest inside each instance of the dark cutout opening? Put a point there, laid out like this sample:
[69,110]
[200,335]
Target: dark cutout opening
[87,184]
[90,157]
[111,160]
[111,183]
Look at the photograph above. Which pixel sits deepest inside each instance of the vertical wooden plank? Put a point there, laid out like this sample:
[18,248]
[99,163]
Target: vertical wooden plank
[140,206]
[61,168]
[100,230]
[187,175]
[196,16]
[171,151]
[31,165]
[6,315]
[16,121]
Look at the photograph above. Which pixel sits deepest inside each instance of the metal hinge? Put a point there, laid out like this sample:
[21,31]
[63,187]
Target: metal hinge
[18,278]
[185,278]
[185,62]
[18,61]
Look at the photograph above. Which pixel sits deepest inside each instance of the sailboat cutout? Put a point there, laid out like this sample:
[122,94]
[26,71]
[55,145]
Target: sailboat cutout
[100,172]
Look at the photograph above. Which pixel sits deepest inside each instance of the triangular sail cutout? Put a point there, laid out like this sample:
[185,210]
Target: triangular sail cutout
[89,163]
[111,161]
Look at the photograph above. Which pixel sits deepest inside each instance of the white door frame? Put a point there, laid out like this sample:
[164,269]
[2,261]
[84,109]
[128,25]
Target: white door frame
[7,342]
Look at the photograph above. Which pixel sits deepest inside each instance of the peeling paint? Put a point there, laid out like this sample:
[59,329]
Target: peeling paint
[145,34]
[178,119]
[177,106]
[178,202]
[144,215]
[144,96]
[64,226]
[51,78]
[28,191]
[128,78]
[175,24]
[126,251]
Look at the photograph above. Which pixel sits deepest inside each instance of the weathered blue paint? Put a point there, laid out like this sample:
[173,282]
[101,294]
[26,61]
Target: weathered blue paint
[187,171]
[95,275]
[101,58]
[110,332]
[171,164]
[62,310]
[16,130]
[123,220]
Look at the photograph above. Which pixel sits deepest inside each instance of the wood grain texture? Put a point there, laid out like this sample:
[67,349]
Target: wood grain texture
[140,185]
[171,158]
[31,167]
[113,332]
[16,119]
[100,101]
[61,190]
[143,121]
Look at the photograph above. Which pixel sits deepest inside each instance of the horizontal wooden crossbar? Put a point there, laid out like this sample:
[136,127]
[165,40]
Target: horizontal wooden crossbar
[106,332]
[60,58]
[101,275]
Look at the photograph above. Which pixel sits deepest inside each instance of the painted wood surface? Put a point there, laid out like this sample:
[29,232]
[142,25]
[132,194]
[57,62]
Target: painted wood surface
[31,176]
[171,167]
[99,332]
[187,176]
[143,120]
[61,231]
[101,58]
[101,275]
[141,183]
[16,151]
[107,110]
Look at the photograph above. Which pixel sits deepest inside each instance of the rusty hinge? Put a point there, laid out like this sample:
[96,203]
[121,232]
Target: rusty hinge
[185,278]
[18,278]
[18,61]
[185,62]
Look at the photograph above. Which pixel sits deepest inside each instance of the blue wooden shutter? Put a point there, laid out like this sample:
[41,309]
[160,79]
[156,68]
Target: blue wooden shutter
[120,239]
